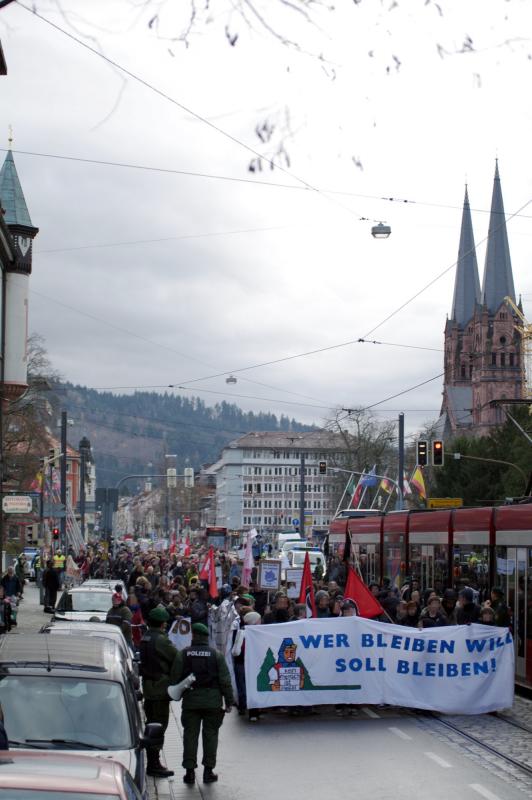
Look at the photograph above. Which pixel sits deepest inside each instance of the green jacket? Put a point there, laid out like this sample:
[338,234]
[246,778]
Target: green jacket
[166,654]
[204,698]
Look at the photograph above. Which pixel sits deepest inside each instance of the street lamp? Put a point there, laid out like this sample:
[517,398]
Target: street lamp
[381,231]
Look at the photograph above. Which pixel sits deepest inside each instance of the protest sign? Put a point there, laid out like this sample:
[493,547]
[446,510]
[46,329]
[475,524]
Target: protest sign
[466,669]
[180,634]
[293,582]
[269,575]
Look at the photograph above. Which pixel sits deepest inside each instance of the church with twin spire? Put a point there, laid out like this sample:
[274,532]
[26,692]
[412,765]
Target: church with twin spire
[483,358]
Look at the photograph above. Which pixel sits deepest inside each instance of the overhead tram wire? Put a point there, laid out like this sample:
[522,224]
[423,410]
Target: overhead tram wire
[239,179]
[193,113]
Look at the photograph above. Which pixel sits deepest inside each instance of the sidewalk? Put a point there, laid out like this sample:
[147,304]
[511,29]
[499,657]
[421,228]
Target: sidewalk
[174,788]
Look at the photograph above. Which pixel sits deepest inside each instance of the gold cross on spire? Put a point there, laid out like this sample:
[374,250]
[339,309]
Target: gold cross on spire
[10,137]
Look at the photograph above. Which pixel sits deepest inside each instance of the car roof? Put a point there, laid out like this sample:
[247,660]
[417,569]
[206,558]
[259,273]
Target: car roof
[59,771]
[110,632]
[64,653]
[83,625]
[83,588]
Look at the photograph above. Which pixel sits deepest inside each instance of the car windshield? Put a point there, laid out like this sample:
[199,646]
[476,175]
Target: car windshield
[85,601]
[298,557]
[66,713]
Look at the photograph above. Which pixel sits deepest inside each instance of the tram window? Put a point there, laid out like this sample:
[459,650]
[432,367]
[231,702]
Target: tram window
[367,556]
[429,566]
[470,567]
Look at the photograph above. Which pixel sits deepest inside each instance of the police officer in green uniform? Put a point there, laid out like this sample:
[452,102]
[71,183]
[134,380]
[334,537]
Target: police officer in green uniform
[157,655]
[202,706]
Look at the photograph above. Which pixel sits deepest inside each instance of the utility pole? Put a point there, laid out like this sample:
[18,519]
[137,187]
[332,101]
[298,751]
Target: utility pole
[401,477]
[302,497]
[84,453]
[63,479]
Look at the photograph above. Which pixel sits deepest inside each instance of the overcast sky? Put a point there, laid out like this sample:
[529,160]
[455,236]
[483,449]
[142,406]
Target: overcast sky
[294,270]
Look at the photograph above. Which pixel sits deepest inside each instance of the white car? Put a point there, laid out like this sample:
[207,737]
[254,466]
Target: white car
[84,604]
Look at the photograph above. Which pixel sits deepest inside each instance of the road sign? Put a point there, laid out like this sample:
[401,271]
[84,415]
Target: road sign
[53,510]
[17,504]
[445,502]
[295,522]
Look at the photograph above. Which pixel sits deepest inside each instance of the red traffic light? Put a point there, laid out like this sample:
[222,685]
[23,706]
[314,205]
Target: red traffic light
[55,534]
[437,453]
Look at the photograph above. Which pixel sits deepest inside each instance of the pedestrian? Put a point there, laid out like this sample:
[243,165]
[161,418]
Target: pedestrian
[119,614]
[412,615]
[5,613]
[468,611]
[434,618]
[20,572]
[202,705]
[349,608]
[51,585]
[448,606]
[157,655]
[487,616]
[12,590]
[501,611]
[322,604]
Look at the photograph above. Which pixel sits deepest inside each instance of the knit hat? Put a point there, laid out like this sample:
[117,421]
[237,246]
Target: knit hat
[158,615]
[253,618]
[200,629]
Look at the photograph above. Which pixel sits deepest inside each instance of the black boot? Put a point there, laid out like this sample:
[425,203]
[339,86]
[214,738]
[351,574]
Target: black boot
[155,768]
[209,776]
[189,776]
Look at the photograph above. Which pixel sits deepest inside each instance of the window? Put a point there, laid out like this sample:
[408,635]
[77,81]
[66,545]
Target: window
[494,359]
[503,359]
[257,471]
[470,370]
[462,371]
[511,359]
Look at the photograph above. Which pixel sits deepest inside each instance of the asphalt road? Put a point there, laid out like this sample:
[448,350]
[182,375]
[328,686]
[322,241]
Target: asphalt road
[380,753]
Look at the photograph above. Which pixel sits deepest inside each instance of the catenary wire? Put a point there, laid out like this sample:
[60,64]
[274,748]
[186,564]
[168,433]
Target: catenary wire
[238,179]
[192,113]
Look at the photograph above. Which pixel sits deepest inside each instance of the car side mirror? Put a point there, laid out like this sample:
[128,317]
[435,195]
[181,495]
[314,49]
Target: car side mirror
[153,735]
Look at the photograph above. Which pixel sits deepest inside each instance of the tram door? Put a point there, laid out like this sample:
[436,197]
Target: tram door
[518,590]
[427,565]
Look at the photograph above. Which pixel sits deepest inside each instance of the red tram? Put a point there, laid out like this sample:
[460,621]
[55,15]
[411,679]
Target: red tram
[477,547]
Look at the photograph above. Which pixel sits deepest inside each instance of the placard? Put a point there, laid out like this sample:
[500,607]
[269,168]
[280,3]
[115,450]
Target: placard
[269,578]
[293,582]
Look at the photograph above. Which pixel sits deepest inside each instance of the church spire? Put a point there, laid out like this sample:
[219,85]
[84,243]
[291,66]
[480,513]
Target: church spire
[498,279]
[466,284]
[11,195]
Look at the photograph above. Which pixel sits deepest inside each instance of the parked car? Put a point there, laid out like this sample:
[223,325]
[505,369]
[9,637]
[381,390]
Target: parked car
[73,693]
[101,630]
[84,604]
[110,584]
[45,775]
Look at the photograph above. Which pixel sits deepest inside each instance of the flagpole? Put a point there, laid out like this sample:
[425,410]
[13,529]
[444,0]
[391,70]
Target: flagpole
[343,495]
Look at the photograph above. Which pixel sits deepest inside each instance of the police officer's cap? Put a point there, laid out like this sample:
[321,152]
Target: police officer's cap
[200,629]
[158,615]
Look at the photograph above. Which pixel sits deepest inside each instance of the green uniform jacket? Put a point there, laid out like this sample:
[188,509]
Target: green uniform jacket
[204,698]
[166,653]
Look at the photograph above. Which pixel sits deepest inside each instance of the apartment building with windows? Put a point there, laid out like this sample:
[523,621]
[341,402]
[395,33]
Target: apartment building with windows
[258,480]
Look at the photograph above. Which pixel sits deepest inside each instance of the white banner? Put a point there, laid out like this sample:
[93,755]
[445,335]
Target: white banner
[459,669]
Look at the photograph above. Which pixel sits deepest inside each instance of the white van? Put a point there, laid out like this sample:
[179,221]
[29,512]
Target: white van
[287,537]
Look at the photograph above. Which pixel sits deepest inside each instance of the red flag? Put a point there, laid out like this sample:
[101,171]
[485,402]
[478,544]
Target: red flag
[356,590]
[172,547]
[186,552]
[306,594]
[208,573]
[357,495]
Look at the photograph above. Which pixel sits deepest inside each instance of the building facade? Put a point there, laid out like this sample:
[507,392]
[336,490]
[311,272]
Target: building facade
[483,356]
[258,481]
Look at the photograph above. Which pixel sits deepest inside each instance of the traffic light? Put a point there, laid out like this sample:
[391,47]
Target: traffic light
[437,453]
[323,467]
[422,453]
[189,478]
[55,534]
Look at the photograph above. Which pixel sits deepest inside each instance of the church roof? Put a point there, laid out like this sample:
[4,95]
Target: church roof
[11,195]
[466,283]
[498,278]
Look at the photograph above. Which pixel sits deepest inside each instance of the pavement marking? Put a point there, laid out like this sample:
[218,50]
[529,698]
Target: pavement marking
[479,789]
[370,713]
[438,759]
[401,734]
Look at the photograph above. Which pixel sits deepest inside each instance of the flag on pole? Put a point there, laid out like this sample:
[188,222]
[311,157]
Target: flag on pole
[370,480]
[347,547]
[249,562]
[208,573]
[356,590]
[173,543]
[387,485]
[406,487]
[418,482]
[357,496]
[306,594]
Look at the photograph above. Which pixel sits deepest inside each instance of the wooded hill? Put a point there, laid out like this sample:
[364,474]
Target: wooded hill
[129,431]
